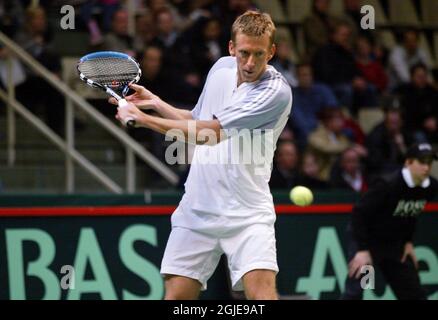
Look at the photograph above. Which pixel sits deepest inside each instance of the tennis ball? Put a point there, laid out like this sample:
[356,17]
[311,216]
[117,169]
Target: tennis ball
[301,196]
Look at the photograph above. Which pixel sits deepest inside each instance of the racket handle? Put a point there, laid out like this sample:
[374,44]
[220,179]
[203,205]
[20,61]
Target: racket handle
[129,122]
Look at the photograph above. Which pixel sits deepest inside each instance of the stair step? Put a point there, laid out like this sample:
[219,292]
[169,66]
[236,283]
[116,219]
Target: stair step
[31,155]
[36,179]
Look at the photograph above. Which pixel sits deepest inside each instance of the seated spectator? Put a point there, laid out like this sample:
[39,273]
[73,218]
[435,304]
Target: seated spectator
[327,142]
[387,144]
[348,174]
[144,31]
[419,100]
[207,48]
[309,173]
[309,99]
[285,171]
[353,17]
[335,65]
[156,6]
[317,26]
[404,56]
[156,77]
[34,37]
[370,67]
[283,63]
[118,39]
[108,8]
[176,48]
[167,33]
[11,17]
[18,71]
[229,10]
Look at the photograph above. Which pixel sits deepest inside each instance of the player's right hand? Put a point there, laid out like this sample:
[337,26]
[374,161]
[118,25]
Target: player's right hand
[142,98]
[361,259]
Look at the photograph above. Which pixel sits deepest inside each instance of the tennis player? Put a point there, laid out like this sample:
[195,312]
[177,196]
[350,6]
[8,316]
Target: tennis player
[227,208]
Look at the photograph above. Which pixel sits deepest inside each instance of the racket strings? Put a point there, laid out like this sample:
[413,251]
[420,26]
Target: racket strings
[109,71]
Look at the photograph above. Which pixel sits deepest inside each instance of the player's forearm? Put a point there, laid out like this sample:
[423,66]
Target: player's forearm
[189,131]
[169,112]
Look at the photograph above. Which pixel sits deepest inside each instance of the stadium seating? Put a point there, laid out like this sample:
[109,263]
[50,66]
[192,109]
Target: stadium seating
[297,10]
[429,12]
[336,7]
[274,8]
[381,18]
[403,12]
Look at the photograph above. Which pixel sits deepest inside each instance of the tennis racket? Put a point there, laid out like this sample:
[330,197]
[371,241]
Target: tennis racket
[111,72]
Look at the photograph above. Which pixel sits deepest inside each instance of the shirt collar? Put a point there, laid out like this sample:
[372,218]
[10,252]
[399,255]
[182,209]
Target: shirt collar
[407,176]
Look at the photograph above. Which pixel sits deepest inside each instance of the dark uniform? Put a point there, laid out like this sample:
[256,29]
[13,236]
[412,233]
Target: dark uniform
[383,221]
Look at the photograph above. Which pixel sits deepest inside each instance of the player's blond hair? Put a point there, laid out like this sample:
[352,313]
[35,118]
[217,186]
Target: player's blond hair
[254,24]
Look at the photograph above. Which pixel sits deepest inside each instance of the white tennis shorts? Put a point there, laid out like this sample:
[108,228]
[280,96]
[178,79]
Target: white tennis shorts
[196,255]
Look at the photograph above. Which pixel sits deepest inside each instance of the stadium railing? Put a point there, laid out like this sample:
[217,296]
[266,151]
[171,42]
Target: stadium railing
[72,156]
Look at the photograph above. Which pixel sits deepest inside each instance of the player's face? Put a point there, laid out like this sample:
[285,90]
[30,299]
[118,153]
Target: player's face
[252,55]
[420,169]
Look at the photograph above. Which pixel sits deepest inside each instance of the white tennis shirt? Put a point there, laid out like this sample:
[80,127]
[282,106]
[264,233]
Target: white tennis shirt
[228,183]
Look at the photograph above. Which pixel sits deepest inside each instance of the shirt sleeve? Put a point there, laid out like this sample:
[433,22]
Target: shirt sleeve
[224,62]
[260,109]
[196,111]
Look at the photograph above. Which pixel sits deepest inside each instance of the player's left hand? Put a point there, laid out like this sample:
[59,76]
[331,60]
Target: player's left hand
[409,252]
[129,111]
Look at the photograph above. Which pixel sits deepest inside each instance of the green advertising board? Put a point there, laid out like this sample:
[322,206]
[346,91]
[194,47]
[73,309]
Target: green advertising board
[110,247]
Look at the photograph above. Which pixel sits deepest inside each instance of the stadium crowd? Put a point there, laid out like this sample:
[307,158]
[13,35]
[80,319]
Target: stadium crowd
[343,70]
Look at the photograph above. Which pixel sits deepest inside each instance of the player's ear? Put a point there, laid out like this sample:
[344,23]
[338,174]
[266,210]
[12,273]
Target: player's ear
[272,51]
[231,48]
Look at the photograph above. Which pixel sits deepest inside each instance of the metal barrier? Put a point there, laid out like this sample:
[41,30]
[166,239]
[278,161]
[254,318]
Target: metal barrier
[73,100]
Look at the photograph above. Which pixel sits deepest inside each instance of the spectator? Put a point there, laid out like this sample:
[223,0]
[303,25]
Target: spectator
[156,76]
[327,141]
[230,10]
[118,39]
[283,63]
[156,6]
[352,130]
[207,48]
[18,72]
[334,64]
[370,67]
[353,17]
[404,56]
[317,26]
[419,100]
[108,8]
[285,171]
[167,33]
[11,17]
[309,173]
[348,174]
[144,31]
[34,37]
[387,144]
[309,99]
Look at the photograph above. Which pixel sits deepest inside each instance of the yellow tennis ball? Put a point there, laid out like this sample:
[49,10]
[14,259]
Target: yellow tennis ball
[301,196]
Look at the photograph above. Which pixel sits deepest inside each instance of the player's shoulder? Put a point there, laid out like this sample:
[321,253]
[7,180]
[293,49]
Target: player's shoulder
[273,79]
[227,62]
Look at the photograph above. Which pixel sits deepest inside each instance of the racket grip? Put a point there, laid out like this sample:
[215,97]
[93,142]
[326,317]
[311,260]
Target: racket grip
[129,122]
